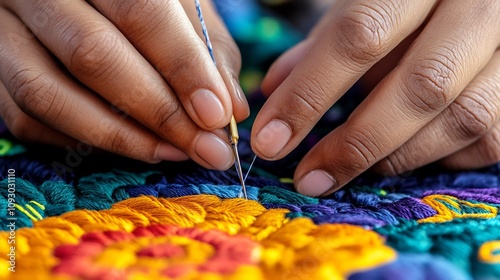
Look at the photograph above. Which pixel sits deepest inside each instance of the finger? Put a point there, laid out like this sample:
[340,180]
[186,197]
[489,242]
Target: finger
[470,117]
[42,90]
[226,52]
[26,128]
[100,57]
[384,66]
[447,55]
[482,153]
[163,34]
[284,65]
[363,35]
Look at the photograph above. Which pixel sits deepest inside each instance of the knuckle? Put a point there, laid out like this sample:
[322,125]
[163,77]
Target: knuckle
[393,164]
[361,151]
[130,10]
[307,99]
[94,53]
[35,93]
[166,115]
[226,45]
[428,84]
[132,15]
[121,141]
[44,10]
[473,119]
[363,31]
[180,67]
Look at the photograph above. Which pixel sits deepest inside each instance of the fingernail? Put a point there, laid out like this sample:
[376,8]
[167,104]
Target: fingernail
[208,107]
[272,138]
[214,151]
[238,90]
[316,183]
[241,97]
[165,151]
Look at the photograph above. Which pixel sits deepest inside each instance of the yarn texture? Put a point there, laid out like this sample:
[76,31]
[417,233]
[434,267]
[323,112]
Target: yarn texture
[113,218]
[74,214]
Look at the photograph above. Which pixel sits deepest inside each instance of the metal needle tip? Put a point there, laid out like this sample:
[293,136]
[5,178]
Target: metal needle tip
[237,164]
[232,127]
[233,139]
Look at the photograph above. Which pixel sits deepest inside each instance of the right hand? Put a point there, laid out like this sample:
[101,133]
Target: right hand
[438,102]
[67,65]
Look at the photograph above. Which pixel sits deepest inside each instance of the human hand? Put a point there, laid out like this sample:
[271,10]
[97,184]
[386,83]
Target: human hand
[66,66]
[441,101]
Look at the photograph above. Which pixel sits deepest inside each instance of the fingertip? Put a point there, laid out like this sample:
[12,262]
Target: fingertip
[213,151]
[317,183]
[271,139]
[209,109]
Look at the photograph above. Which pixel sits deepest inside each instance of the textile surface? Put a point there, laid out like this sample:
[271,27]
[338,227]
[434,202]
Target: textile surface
[81,216]
[78,214]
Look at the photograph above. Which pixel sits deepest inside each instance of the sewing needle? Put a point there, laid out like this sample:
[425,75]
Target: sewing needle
[233,140]
[231,128]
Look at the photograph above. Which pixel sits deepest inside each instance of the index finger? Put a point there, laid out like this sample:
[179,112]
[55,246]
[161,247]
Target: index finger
[163,34]
[357,36]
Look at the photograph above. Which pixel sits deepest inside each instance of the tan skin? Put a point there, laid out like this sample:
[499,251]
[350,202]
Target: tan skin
[441,101]
[138,56]
[435,73]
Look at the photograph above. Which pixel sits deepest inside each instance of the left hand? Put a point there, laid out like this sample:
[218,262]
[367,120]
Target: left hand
[440,101]
[132,77]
